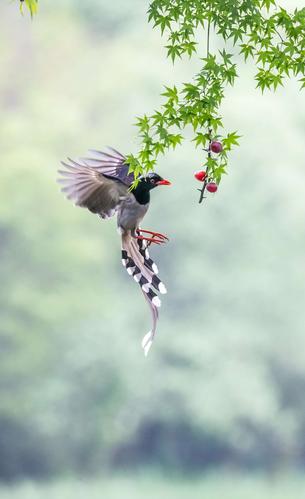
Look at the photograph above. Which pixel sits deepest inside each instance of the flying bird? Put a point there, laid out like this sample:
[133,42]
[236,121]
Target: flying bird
[102,183]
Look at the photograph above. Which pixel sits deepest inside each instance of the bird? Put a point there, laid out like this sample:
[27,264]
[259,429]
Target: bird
[103,184]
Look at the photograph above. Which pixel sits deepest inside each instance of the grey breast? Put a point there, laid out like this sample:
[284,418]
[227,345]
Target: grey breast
[131,213]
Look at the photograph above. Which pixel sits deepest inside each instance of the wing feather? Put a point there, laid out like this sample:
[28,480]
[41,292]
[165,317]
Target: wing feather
[86,185]
[112,165]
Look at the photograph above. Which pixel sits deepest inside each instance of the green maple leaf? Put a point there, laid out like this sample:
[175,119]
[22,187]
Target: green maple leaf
[32,5]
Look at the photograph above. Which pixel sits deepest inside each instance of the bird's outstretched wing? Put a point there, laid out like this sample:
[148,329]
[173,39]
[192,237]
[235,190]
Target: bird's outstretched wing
[111,164]
[97,184]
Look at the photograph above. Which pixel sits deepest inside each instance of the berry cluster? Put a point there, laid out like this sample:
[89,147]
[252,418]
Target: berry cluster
[202,175]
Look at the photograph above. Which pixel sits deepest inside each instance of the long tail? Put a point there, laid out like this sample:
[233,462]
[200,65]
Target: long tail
[136,260]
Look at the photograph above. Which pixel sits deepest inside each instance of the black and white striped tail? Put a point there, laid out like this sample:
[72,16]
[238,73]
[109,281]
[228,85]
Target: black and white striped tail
[148,262]
[145,284]
[136,260]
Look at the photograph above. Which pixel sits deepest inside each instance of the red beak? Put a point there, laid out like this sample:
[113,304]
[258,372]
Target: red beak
[163,182]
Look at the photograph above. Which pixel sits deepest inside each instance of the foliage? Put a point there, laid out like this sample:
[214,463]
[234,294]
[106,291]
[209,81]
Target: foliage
[261,30]
[32,5]
[269,35]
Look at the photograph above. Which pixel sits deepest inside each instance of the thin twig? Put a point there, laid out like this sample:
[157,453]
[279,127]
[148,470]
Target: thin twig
[207,170]
[208,37]
[279,34]
[209,125]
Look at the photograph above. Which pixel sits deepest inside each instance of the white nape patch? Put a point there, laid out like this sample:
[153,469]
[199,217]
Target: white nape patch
[155,268]
[162,288]
[130,270]
[146,287]
[137,277]
[146,254]
[147,342]
[124,262]
[156,301]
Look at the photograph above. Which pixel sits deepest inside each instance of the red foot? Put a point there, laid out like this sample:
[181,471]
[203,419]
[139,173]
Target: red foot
[154,234]
[151,240]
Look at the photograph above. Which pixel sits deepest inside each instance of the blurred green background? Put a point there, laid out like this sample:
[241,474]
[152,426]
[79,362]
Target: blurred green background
[217,410]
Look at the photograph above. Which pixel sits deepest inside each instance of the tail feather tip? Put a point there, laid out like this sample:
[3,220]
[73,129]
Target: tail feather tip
[147,342]
[156,301]
[155,268]
[162,288]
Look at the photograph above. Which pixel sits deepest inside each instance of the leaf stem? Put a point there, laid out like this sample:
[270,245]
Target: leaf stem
[208,37]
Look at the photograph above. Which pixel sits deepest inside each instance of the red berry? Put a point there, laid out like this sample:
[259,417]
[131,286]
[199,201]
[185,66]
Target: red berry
[200,175]
[216,146]
[212,187]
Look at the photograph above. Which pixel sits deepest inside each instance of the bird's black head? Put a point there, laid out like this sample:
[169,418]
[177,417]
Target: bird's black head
[146,184]
[152,180]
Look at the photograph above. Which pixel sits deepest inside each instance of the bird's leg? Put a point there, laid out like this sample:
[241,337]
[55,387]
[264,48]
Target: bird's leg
[161,237]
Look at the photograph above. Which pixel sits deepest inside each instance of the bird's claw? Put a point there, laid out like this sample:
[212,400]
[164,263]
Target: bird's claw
[151,240]
[158,235]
